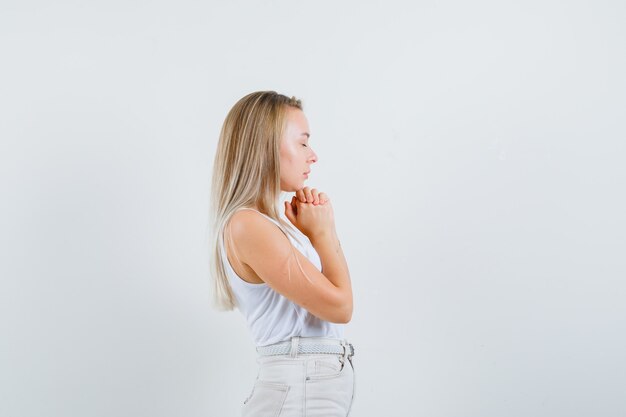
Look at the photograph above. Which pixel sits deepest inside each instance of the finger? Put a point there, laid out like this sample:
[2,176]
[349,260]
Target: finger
[300,195]
[294,204]
[309,196]
[316,199]
[289,211]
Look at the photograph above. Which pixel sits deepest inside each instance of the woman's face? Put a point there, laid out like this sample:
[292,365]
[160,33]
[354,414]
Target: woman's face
[296,156]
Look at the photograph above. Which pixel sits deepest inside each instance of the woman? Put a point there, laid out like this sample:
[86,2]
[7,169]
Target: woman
[289,279]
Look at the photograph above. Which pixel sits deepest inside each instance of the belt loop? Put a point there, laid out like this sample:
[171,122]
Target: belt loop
[294,346]
[344,345]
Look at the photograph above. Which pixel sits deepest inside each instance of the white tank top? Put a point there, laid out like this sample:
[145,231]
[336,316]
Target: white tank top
[272,317]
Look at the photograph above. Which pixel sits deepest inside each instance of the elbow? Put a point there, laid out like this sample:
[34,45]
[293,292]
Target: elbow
[345,315]
[341,310]
[339,315]
[346,319]
[346,308]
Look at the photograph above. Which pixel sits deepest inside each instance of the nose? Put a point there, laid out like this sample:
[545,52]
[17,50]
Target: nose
[313,157]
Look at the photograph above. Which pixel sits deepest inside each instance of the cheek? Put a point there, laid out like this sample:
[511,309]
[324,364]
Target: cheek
[286,158]
[286,167]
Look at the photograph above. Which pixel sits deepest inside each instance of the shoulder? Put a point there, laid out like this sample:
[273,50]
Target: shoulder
[243,220]
[252,228]
[256,237]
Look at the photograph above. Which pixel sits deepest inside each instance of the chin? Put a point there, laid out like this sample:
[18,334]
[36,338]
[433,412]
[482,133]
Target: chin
[291,188]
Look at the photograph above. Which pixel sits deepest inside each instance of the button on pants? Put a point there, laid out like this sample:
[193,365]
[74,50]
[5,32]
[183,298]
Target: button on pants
[302,385]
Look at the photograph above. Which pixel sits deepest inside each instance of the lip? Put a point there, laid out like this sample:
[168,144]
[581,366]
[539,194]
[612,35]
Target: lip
[306,174]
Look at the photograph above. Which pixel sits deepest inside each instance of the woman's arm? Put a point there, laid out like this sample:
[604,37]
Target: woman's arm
[335,267]
[262,246]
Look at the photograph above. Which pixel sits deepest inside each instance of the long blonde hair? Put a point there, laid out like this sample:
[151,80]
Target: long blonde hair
[246,173]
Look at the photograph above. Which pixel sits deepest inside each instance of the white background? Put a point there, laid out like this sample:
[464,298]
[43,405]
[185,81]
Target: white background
[474,153]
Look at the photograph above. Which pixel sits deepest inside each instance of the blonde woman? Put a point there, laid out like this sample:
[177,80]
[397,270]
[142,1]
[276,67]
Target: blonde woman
[288,277]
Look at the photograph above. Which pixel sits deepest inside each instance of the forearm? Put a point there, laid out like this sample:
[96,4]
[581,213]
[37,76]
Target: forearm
[334,264]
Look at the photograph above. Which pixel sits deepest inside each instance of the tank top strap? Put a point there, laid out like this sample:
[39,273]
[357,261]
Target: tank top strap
[250,208]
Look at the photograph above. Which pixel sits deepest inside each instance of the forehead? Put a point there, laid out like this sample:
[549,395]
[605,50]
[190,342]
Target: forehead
[297,123]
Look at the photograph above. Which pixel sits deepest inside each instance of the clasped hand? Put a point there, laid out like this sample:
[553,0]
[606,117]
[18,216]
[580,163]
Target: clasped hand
[311,212]
[309,195]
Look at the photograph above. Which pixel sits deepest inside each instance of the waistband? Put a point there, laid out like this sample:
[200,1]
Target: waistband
[308,345]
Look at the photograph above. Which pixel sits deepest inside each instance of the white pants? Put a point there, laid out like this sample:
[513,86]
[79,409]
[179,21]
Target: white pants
[302,385]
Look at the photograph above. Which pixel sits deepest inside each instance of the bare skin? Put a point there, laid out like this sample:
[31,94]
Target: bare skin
[264,250]
[304,196]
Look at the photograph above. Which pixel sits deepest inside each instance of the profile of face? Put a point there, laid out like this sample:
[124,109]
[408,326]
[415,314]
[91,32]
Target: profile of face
[296,156]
